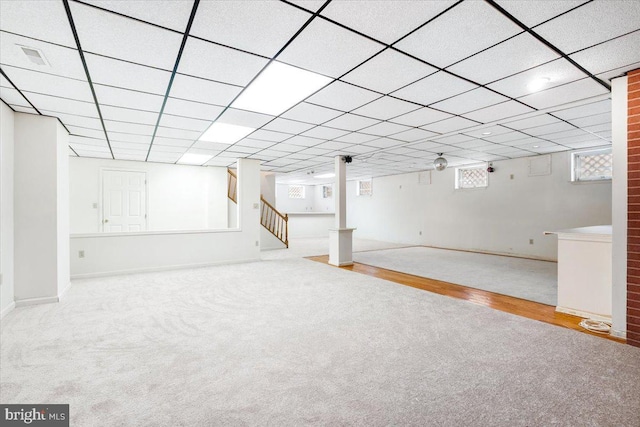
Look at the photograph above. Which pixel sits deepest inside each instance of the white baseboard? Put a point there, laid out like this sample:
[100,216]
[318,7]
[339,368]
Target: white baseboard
[62,294]
[584,314]
[158,269]
[618,334]
[35,301]
[8,309]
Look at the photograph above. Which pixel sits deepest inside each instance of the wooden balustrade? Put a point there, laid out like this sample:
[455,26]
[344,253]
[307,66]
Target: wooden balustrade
[270,218]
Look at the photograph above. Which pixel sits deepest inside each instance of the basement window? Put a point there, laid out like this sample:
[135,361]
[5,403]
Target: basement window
[592,165]
[472,177]
[327,191]
[296,191]
[364,188]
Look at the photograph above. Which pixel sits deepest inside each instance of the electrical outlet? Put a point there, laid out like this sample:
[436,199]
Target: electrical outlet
[257,243]
[531,241]
[420,233]
[95,206]
[80,254]
[511,176]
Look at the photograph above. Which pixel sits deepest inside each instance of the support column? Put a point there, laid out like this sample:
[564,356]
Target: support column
[340,237]
[41,209]
[249,205]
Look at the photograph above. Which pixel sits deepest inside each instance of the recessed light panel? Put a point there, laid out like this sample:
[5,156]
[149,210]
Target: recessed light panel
[325,175]
[194,159]
[225,133]
[278,88]
[538,83]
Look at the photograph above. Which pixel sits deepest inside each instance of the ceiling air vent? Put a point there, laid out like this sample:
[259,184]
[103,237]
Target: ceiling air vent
[34,55]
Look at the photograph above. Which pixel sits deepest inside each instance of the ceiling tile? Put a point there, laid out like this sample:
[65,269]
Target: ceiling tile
[288,126]
[512,56]
[236,24]
[498,112]
[450,125]
[119,37]
[304,141]
[591,24]
[388,71]
[309,113]
[560,95]
[351,122]
[459,33]
[342,96]
[421,117]
[486,131]
[127,98]
[385,143]
[328,49]
[599,107]
[176,142]
[74,120]
[177,122]
[61,105]
[169,14]
[385,129]
[356,138]
[128,137]
[530,122]
[23,109]
[530,13]
[91,133]
[607,76]
[48,21]
[177,133]
[267,135]
[210,61]
[385,108]
[470,101]
[195,89]
[62,61]
[413,135]
[324,132]
[434,88]
[386,21]
[549,129]
[592,120]
[128,115]
[198,110]
[558,72]
[610,55]
[12,96]
[122,74]
[32,81]
[244,118]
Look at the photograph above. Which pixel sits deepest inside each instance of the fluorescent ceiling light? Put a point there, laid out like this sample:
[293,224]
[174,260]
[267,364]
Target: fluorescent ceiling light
[225,133]
[325,175]
[194,159]
[539,83]
[278,88]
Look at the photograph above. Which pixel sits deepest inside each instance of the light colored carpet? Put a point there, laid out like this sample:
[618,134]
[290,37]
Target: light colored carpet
[523,278]
[295,342]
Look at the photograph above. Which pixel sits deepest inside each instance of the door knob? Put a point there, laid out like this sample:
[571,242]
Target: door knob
[106,220]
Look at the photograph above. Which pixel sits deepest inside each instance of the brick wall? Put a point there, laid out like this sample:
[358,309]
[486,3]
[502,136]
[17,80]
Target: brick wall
[633,240]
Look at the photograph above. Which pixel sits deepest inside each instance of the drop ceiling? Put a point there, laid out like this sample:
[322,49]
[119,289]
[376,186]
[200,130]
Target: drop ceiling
[143,80]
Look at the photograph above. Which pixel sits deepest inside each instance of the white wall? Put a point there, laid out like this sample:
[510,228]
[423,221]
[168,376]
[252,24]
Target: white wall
[41,222]
[180,197]
[312,202]
[498,219]
[306,225]
[620,207]
[114,253]
[6,208]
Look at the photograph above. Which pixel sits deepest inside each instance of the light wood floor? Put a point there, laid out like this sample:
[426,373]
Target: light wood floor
[529,309]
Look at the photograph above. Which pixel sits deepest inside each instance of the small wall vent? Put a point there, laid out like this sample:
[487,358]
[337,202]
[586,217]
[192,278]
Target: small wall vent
[34,55]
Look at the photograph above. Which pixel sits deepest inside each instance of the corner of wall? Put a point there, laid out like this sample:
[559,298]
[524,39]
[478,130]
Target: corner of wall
[7,299]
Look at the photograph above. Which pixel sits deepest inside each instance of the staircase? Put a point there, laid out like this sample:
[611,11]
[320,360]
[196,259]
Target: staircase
[270,218]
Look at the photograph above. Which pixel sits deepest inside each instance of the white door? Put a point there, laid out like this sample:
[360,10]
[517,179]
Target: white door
[124,201]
